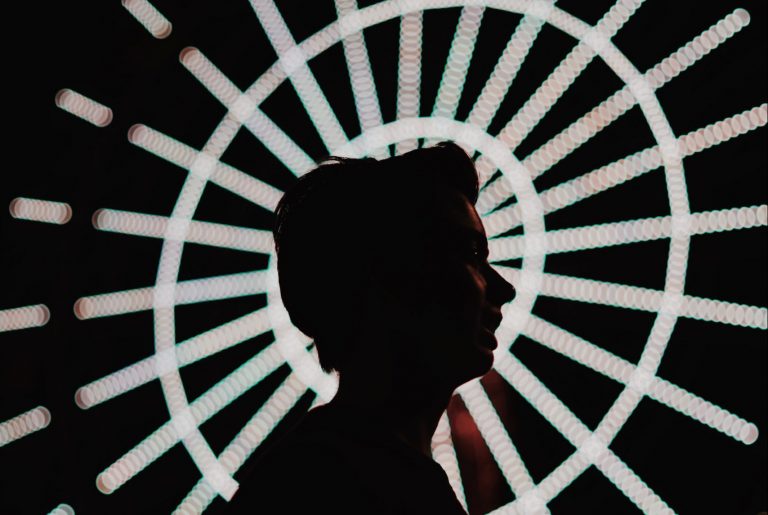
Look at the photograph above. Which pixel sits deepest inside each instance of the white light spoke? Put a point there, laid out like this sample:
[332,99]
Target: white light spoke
[83,107]
[204,233]
[645,299]
[244,109]
[294,62]
[564,75]
[631,485]
[632,231]
[620,102]
[444,454]
[37,210]
[496,437]
[189,351]
[24,317]
[205,165]
[24,424]
[409,73]
[505,71]
[457,64]
[152,20]
[247,440]
[184,424]
[187,292]
[361,75]
[618,172]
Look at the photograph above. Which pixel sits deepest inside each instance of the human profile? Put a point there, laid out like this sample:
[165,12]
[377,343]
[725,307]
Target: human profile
[384,264]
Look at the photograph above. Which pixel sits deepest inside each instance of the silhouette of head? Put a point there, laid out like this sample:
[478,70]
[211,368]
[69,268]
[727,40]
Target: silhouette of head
[384,264]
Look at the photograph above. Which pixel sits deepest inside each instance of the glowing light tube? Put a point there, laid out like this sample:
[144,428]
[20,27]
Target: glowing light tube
[444,454]
[62,509]
[194,349]
[24,317]
[38,210]
[505,71]
[200,410]
[187,292]
[409,74]
[620,102]
[618,172]
[203,164]
[83,107]
[457,64]
[633,231]
[361,75]
[645,299]
[294,63]
[24,424]
[146,14]
[246,111]
[639,379]
[496,437]
[204,233]
[247,440]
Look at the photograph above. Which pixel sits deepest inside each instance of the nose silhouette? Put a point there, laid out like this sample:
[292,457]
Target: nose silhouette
[499,290]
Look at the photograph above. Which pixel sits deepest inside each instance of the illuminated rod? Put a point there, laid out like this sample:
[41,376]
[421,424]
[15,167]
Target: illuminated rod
[38,210]
[24,424]
[590,449]
[633,231]
[505,71]
[83,107]
[204,233]
[24,317]
[146,14]
[245,110]
[62,509]
[444,454]
[565,74]
[620,171]
[620,102]
[409,74]
[361,75]
[457,64]
[189,351]
[496,437]
[203,164]
[247,440]
[645,299]
[639,379]
[187,292]
[294,63]
[201,409]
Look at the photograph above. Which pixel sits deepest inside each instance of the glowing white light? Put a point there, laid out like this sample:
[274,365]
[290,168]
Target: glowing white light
[631,231]
[226,176]
[294,63]
[645,299]
[189,351]
[247,440]
[496,437]
[24,317]
[83,107]
[201,409]
[40,210]
[204,233]
[62,509]
[146,14]
[507,66]
[409,73]
[245,110]
[187,292]
[444,454]
[24,424]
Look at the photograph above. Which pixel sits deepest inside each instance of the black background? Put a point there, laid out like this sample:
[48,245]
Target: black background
[99,50]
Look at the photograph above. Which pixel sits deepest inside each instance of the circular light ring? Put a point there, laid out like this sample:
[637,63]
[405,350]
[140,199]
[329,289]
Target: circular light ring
[222,136]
